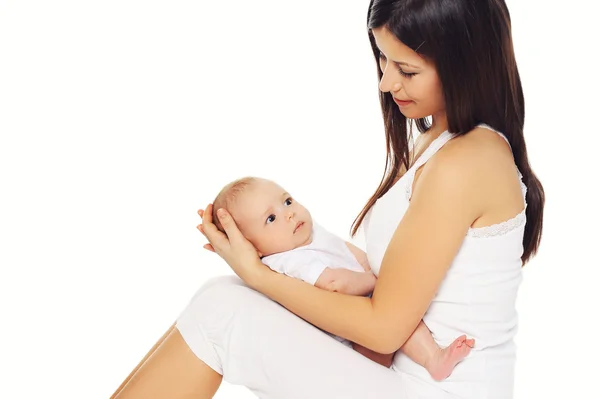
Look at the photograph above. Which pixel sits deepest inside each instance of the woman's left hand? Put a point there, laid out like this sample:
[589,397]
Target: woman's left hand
[234,248]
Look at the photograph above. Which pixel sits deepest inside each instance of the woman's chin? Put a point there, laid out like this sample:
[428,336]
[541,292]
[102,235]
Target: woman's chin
[411,114]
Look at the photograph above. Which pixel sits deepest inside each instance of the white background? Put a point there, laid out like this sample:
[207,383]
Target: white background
[119,119]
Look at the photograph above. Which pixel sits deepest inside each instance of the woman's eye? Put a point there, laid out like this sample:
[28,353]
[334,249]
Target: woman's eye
[270,219]
[288,201]
[406,74]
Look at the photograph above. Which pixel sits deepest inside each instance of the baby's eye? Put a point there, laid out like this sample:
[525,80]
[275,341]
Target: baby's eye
[270,219]
[288,201]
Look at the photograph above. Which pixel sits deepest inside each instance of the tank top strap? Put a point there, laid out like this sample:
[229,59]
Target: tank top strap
[427,154]
[432,149]
[488,127]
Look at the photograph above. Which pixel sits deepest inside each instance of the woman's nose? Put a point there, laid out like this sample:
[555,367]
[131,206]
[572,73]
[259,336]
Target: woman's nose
[389,82]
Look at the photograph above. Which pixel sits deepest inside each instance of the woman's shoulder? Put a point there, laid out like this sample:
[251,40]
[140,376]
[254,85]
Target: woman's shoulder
[477,153]
[479,147]
[480,162]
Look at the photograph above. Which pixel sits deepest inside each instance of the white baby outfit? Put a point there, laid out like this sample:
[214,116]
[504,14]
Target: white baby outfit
[308,262]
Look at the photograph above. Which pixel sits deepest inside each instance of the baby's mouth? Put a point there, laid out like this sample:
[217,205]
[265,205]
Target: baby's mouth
[299,225]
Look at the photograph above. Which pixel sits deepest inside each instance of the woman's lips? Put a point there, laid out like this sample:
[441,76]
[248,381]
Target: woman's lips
[401,102]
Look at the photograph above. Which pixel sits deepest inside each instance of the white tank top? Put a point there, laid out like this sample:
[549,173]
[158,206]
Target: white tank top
[476,298]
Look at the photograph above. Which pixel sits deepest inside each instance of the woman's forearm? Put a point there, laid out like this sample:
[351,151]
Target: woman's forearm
[354,317]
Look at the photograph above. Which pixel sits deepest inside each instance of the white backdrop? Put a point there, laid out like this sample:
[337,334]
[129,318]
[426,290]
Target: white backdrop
[119,119]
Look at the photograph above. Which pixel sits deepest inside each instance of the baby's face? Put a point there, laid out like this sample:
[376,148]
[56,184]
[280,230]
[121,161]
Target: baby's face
[271,219]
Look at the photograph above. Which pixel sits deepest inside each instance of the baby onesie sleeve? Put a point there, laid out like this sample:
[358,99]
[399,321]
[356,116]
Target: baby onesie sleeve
[311,270]
[305,265]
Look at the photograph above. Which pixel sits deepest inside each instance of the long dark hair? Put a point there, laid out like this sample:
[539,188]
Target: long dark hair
[470,44]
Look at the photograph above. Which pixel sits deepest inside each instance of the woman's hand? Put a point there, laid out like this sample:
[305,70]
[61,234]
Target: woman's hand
[234,248]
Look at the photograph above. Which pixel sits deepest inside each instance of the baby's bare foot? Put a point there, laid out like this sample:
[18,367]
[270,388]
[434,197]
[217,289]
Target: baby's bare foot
[441,365]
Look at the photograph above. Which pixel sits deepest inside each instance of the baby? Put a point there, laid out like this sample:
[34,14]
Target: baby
[289,242]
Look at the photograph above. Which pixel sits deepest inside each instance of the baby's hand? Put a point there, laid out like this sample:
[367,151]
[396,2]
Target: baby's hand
[359,255]
[347,281]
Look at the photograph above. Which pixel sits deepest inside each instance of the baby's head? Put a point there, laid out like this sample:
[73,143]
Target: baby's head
[266,215]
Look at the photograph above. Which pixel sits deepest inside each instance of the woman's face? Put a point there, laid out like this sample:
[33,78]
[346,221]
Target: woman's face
[411,79]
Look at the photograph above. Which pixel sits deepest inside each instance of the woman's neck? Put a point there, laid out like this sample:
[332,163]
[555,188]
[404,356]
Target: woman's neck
[439,123]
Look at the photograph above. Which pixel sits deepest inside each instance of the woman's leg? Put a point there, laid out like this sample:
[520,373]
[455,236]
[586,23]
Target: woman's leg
[150,353]
[255,342]
[170,370]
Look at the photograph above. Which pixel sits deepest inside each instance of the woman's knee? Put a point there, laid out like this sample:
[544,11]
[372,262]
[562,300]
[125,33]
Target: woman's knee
[225,302]
[222,291]
[220,281]
[210,317]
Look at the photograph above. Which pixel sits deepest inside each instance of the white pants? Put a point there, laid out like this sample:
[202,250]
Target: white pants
[255,342]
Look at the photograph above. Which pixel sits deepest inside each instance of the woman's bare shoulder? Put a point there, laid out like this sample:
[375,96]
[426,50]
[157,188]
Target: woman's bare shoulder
[487,164]
[482,146]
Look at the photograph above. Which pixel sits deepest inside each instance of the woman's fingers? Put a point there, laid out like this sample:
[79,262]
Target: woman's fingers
[205,246]
[229,226]
[210,231]
[201,227]
[207,214]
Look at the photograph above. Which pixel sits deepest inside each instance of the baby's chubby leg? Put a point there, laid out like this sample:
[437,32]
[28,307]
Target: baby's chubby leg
[439,362]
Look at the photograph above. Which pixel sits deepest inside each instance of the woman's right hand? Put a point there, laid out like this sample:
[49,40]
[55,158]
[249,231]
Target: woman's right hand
[232,246]
[206,246]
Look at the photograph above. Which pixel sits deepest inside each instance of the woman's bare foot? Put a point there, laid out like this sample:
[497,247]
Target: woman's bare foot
[440,365]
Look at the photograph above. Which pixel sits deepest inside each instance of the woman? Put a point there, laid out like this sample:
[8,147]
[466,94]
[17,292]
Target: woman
[448,230]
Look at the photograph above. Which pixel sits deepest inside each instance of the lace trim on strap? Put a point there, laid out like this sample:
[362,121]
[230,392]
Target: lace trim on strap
[499,228]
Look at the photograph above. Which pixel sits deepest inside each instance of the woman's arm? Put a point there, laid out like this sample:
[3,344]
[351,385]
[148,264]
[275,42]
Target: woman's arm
[444,204]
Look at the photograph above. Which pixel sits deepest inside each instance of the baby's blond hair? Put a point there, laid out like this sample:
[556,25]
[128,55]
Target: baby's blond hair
[228,195]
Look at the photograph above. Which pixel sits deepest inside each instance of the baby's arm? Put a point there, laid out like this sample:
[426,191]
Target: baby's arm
[360,256]
[346,281]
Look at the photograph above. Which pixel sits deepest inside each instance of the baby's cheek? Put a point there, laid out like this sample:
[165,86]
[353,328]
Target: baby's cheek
[270,241]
